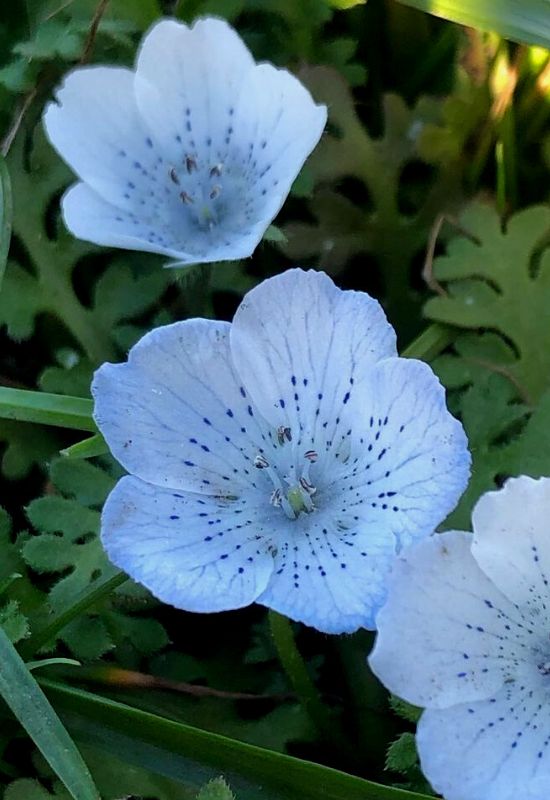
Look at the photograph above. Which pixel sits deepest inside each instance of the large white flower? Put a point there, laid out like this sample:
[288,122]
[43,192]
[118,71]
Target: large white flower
[282,459]
[466,634]
[192,154]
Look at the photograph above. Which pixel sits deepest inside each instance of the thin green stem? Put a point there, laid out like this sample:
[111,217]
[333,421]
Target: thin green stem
[430,343]
[298,675]
[366,697]
[43,634]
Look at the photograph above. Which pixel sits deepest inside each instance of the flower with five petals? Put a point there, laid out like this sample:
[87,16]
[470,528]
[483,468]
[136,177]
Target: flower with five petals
[284,458]
[192,154]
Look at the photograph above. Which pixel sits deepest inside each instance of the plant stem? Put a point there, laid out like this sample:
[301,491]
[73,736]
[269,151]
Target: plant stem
[43,634]
[367,698]
[298,675]
[430,343]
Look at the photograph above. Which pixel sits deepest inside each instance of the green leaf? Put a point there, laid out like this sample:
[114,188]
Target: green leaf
[47,409]
[67,547]
[18,76]
[521,20]
[44,632]
[29,704]
[26,446]
[387,217]
[53,38]
[405,710]
[402,754]
[27,789]
[498,279]
[6,214]
[189,755]
[216,790]
[491,414]
[14,623]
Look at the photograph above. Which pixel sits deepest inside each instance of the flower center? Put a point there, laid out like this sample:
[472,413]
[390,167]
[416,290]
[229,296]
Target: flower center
[199,189]
[293,492]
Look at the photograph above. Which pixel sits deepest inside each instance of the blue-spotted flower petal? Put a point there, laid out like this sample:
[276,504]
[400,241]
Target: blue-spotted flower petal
[283,459]
[192,154]
[465,634]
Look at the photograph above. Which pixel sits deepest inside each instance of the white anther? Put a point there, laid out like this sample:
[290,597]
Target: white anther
[174,176]
[216,171]
[186,198]
[276,498]
[215,192]
[260,462]
[311,455]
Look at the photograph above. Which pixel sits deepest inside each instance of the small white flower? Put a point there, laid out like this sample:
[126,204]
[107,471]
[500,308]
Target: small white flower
[282,459]
[192,154]
[465,633]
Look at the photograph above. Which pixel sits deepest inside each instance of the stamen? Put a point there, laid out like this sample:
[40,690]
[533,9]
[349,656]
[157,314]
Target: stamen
[216,171]
[190,164]
[311,455]
[215,192]
[276,498]
[307,486]
[187,199]
[174,176]
[544,669]
[260,462]
[283,434]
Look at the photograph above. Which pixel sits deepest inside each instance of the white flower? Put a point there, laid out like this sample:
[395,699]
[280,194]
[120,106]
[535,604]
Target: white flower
[282,459]
[192,154]
[466,634]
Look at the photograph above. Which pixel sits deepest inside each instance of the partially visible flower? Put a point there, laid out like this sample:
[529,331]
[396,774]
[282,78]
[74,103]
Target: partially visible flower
[282,459]
[192,154]
[466,634]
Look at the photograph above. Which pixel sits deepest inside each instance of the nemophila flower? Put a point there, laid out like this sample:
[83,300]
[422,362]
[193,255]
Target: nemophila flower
[283,458]
[465,633]
[192,154]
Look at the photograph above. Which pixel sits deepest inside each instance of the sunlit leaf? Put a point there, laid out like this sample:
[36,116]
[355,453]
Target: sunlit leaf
[522,20]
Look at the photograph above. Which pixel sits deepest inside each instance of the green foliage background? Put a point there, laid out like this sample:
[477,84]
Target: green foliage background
[429,189]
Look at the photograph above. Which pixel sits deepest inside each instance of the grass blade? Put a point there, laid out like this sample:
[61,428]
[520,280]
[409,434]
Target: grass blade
[192,756]
[47,409]
[521,20]
[29,704]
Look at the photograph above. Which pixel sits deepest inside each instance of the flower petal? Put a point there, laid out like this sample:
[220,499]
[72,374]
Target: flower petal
[187,80]
[276,125]
[96,128]
[88,216]
[195,552]
[303,346]
[410,463]
[498,749]
[511,541]
[176,415]
[446,634]
[326,577]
